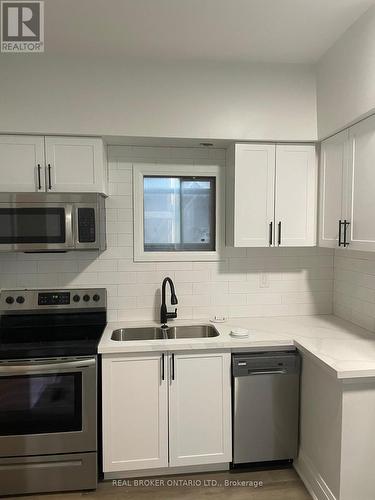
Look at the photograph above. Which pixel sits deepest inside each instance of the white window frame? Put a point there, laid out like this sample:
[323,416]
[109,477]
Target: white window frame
[141,170]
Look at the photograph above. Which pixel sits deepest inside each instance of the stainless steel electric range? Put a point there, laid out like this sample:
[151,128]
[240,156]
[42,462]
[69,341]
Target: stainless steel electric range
[48,389]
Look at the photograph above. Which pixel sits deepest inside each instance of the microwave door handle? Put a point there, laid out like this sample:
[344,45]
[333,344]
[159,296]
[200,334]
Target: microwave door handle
[31,368]
[69,226]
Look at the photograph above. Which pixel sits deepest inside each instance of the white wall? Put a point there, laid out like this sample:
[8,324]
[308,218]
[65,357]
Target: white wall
[346,78]
[354,287]
[50,94]
[299,279]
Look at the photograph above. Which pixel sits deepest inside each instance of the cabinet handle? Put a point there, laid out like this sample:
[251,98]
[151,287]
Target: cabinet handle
[49,177]
[172,366]
[340,242]
[162,366]
[270,234]
[279,234]
[39,181]
[346,224]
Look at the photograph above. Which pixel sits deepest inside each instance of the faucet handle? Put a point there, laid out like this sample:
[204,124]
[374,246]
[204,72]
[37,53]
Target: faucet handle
[173,315]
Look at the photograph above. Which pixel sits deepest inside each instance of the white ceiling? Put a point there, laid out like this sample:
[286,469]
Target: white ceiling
[297,31]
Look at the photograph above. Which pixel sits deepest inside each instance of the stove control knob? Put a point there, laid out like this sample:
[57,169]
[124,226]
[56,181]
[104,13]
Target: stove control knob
[76,298]
[9,300]
[20,299]
[86,298]
[96,298]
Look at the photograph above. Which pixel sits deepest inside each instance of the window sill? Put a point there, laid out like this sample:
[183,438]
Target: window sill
[176,256]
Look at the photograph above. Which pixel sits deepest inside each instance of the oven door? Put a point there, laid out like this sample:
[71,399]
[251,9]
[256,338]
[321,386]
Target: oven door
[33,227]
[48,406]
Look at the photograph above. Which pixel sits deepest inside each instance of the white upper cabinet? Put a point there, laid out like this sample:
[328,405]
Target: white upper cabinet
[361,195]
[135,412]
[333,189]
[200,409]
[271,195]
[21,163]
[75,164]
[347,187]
[52,164]
[250,194]
[295,196]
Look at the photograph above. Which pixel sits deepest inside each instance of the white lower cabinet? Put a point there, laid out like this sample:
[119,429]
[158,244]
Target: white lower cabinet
[199,409]
[163,410]
[135,412]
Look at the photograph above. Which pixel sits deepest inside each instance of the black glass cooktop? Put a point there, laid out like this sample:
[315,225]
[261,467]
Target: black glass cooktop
[46,335]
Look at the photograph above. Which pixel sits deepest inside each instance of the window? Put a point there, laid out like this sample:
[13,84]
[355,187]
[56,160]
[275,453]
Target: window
[177,212]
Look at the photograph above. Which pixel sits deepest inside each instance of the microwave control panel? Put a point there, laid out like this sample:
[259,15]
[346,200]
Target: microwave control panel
[86,225]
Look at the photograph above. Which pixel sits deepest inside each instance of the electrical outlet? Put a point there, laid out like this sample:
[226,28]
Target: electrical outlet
[264,281]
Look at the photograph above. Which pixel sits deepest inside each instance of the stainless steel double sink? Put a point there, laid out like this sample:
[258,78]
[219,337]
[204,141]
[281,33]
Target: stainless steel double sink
[157,333]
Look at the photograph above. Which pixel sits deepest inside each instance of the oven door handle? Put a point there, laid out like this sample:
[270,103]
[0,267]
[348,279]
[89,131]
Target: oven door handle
[6,369]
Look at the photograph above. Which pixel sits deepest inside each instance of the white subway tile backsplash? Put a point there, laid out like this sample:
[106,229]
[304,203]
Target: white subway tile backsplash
[295,280]
[354,287]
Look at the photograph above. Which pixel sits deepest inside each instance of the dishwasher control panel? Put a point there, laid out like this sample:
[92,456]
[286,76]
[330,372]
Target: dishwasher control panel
[264,363]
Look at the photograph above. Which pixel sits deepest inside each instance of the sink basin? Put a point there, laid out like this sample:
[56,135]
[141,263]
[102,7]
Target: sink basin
[137,334]
[192,332]
[157,333]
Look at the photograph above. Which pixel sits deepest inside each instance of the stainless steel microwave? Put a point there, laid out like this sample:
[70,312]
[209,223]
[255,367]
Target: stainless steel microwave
[52,222]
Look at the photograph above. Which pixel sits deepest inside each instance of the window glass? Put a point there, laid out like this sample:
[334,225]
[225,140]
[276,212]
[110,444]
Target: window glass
[179,214]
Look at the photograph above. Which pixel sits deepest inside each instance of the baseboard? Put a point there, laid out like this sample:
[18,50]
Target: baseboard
[311,478]
[165,471]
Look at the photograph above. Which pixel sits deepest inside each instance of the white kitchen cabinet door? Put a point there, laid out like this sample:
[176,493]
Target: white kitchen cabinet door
[75,164]
[199,408]
[361,230]
[333,188]
[135,412]
[250,195]
[295,196]
[21,163]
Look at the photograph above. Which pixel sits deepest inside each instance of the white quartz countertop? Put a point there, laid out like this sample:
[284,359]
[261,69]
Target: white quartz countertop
[344,349]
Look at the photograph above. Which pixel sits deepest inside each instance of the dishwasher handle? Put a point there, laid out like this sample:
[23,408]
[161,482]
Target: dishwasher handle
[267,372]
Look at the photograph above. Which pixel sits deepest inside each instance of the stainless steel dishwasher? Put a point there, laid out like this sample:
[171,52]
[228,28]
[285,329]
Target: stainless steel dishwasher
[265,406]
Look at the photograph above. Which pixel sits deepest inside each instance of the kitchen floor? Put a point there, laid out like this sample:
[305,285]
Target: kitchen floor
[281,484]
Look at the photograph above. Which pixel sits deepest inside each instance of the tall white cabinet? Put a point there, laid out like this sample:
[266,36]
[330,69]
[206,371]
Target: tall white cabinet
[166,409]
[333,189]
[347,202]
[271,195]
[361,179]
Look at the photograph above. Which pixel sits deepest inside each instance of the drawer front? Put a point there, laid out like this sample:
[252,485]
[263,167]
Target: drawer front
[48,473]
